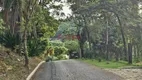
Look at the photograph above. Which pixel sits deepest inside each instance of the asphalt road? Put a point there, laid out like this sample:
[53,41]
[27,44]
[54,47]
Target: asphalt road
[72,70]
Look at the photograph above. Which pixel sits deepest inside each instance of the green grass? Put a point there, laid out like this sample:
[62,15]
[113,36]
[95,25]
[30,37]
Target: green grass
[103,64]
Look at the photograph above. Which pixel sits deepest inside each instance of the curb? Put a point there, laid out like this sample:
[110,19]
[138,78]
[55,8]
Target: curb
[33,72]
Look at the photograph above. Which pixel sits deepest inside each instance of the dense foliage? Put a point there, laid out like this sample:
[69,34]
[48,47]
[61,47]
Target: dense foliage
[30,25]
[59,49]
[105,29]
[111,27]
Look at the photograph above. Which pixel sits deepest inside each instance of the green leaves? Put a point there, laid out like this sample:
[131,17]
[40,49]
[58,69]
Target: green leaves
[8,3]
[36,47]
[57,43]
[2,28]
[9,40]
[72,45]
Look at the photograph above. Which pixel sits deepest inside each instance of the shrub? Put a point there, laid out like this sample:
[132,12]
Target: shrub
[56,43]
[36,47]
[2,28]
[89,54]
[72,45]
[60,50]
[9,40]
[62,56]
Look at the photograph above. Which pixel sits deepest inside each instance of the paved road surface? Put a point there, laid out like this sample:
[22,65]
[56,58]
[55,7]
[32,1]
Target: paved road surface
[72,70]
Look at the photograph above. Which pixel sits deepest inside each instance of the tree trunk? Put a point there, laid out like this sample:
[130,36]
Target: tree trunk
[25,48]
[5,18]
[130,53]
[82,50]
[107,53]
[134,52]
[138,53]
[117,57]
[123,38]
[13,20]
[80,55]
[87,31]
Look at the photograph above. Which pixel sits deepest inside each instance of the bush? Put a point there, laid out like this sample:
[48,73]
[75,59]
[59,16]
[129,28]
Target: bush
[56,43]
[73,48]
[36,47]
[72,45]
[60,50]
[2,28]
[89,54]
[62,57]
[9,40]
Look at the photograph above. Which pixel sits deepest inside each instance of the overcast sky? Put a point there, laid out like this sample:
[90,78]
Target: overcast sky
[66,8]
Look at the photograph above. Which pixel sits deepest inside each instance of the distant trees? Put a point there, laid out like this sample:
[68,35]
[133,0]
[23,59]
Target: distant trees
[109,26]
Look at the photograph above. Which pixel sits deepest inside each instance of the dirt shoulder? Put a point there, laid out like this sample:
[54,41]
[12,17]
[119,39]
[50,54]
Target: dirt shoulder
[128,74]
[12,65]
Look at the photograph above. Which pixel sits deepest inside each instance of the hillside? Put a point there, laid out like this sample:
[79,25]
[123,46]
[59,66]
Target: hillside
[12,64]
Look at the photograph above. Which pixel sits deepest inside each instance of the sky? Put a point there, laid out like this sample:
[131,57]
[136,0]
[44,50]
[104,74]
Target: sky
[66,8]
[140,7]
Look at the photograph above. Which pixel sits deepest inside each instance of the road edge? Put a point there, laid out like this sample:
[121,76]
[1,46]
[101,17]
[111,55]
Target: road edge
[34,71]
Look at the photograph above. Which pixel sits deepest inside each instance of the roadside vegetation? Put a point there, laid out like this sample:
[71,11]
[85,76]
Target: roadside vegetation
[110,30]
[25,29]
[111,64]
[12,64]
[106,33]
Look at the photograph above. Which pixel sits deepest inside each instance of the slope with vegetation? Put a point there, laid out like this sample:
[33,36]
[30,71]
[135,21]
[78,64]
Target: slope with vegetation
[25,29]
[12,65]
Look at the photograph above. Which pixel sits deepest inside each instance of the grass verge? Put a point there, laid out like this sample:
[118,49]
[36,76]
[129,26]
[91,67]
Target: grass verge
[112,64]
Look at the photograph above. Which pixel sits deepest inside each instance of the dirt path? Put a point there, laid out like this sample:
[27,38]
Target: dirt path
[128,74]
[72,70]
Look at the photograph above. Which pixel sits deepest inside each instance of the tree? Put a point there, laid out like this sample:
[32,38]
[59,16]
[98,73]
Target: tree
[118,13]
[30,19]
